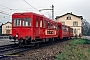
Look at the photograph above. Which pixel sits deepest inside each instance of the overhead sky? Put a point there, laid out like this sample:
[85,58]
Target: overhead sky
[77,7]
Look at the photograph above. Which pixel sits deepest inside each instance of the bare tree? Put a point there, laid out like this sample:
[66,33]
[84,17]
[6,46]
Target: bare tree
[85,27]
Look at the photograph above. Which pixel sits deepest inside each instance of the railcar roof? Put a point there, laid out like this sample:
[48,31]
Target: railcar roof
[31,13]
[27,13]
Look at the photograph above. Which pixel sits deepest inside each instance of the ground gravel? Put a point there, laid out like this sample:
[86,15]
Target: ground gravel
[43,53]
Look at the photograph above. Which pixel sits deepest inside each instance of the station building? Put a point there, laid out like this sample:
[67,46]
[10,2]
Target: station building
[71,20]
[7,28]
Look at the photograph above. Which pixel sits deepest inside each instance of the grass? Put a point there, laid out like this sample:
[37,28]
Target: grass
[80,41]
[75,51]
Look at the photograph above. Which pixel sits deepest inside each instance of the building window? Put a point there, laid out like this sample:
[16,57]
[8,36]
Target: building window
[75,23]
[63,23]
[68,17]
[8,26]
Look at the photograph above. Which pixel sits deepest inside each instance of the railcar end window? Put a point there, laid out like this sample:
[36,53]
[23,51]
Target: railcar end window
[17,22]
[27,22]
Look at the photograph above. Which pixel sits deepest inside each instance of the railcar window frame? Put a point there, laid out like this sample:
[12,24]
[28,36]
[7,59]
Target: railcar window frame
[26,22]
[17,22]
[56,26]
[71,30]
[41,22]
[63,23]
[59,27]
[66,28]
[63,27]
[37,22]
[49,25]
[45,23]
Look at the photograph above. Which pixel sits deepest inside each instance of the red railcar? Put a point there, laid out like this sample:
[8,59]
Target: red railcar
[30,28]
[64,31]
[70,32]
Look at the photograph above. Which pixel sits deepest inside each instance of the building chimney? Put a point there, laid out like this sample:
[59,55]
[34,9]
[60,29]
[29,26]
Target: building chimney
[71,12]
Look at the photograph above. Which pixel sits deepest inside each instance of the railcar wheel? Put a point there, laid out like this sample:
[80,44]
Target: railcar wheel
[37,45]
[20,43]
[14,41]
[53,39]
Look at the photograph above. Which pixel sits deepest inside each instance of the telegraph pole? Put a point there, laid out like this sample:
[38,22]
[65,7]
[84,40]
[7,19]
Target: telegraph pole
[49,9]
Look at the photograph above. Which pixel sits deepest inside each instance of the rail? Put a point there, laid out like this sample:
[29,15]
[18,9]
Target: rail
[4,37]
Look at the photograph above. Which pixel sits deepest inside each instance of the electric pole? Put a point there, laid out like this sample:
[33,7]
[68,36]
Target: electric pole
[52,12]
[50,9]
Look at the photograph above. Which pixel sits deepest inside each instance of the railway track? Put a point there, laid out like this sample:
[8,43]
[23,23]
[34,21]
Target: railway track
[8,46]
[14,50]
[10,50]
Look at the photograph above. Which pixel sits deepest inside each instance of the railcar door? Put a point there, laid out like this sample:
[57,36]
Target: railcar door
[41,28]
[36,27]
[60,30]
[68,31]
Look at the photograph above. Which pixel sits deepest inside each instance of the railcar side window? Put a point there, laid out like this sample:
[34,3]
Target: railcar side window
[17,22]
[59,27]
[66,28]
[26,22]
[63,27]
[44,23]
[56,26]
[49,25]
[40,23]
[36,22]
[71,30]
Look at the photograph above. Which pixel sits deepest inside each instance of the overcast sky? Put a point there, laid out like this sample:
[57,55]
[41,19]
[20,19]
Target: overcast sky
[77,7]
